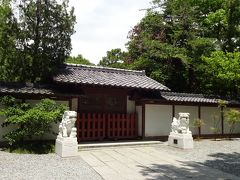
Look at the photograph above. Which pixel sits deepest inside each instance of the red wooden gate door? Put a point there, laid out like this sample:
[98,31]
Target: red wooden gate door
[96,126]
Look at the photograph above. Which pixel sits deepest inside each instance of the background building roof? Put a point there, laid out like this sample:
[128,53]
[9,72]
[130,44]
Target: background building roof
[36,89]
[187,97]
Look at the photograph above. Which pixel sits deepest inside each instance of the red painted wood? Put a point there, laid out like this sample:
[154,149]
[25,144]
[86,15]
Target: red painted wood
[98,122]
[83,125]
[88,125]
[136,125]
[127,120]
[104,127]
[118,125]
[94,120]
[122,125]
[108,125]
[93,126]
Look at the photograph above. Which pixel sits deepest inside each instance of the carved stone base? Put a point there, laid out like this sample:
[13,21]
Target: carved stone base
[66,147]
[183,141]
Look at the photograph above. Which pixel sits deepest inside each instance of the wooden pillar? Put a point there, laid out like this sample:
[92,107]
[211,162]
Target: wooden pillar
[70,104]
[222,121]
[173,111]
[78,104]
[199,117]
[143,121]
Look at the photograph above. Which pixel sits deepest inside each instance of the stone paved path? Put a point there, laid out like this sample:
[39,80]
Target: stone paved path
[146,162]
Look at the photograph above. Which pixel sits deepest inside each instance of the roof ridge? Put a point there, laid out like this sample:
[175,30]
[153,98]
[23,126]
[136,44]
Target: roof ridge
[142,72]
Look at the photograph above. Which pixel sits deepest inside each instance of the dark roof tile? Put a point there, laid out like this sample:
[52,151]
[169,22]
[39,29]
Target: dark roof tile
[16,88]
[35,89]
[186,97]
[96,75]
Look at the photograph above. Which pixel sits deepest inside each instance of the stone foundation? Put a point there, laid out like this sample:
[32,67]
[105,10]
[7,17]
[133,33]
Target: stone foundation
[66,146]
[183,141]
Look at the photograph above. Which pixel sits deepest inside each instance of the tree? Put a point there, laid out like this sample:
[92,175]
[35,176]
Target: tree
[222,73]
[152,47]
[115,58]
[8,39]
[29,121]
[43,41]
[78,60]
[173,39]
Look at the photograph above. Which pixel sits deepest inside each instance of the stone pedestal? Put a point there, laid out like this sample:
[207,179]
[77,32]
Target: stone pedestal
[183,141]
[66,146]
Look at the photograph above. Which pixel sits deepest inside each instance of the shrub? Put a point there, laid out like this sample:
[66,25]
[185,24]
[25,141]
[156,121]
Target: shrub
[198,123]
[232,118]
[29,121]
[215,128]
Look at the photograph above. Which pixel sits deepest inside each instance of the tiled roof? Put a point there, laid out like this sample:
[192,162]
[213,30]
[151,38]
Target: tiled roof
[186,97]
[102,76]
[36,89]
[17,88]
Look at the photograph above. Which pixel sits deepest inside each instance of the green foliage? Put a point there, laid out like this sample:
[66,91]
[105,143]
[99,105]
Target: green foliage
[222,73]
[78,60]
[29,121]
[232,117]
[151,48]
[114,58]
[198,123]
[183,44]
[222,104]
[36,40]
[8,40]
[32,147]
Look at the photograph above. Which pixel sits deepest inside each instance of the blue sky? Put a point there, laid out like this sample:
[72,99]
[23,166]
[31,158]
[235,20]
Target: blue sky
[103,25]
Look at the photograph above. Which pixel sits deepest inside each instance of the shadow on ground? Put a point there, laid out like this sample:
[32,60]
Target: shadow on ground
[228,163]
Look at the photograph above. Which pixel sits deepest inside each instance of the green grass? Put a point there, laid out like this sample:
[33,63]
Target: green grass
[32,147]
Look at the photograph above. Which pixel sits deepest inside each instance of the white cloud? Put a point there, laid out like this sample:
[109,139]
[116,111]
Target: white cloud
[103,25]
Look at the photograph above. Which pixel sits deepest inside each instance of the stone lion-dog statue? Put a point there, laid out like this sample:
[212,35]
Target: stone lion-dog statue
[181,125]
[67,126]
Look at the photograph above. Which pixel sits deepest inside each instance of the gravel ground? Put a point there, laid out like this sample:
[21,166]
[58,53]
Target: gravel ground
[223,155]
[47,166]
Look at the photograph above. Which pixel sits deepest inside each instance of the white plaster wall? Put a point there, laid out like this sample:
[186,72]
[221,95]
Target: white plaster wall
[130,106]
[207,114]
[158,120]
[193,110]
[226,126]
[139,114]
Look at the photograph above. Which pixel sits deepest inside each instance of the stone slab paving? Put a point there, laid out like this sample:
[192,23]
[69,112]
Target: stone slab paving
[148,162]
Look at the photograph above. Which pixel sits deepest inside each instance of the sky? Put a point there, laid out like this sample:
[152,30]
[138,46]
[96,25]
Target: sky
[103,25]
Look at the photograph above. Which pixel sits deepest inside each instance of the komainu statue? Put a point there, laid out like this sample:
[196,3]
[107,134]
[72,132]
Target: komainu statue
[181,125]
[67,126]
